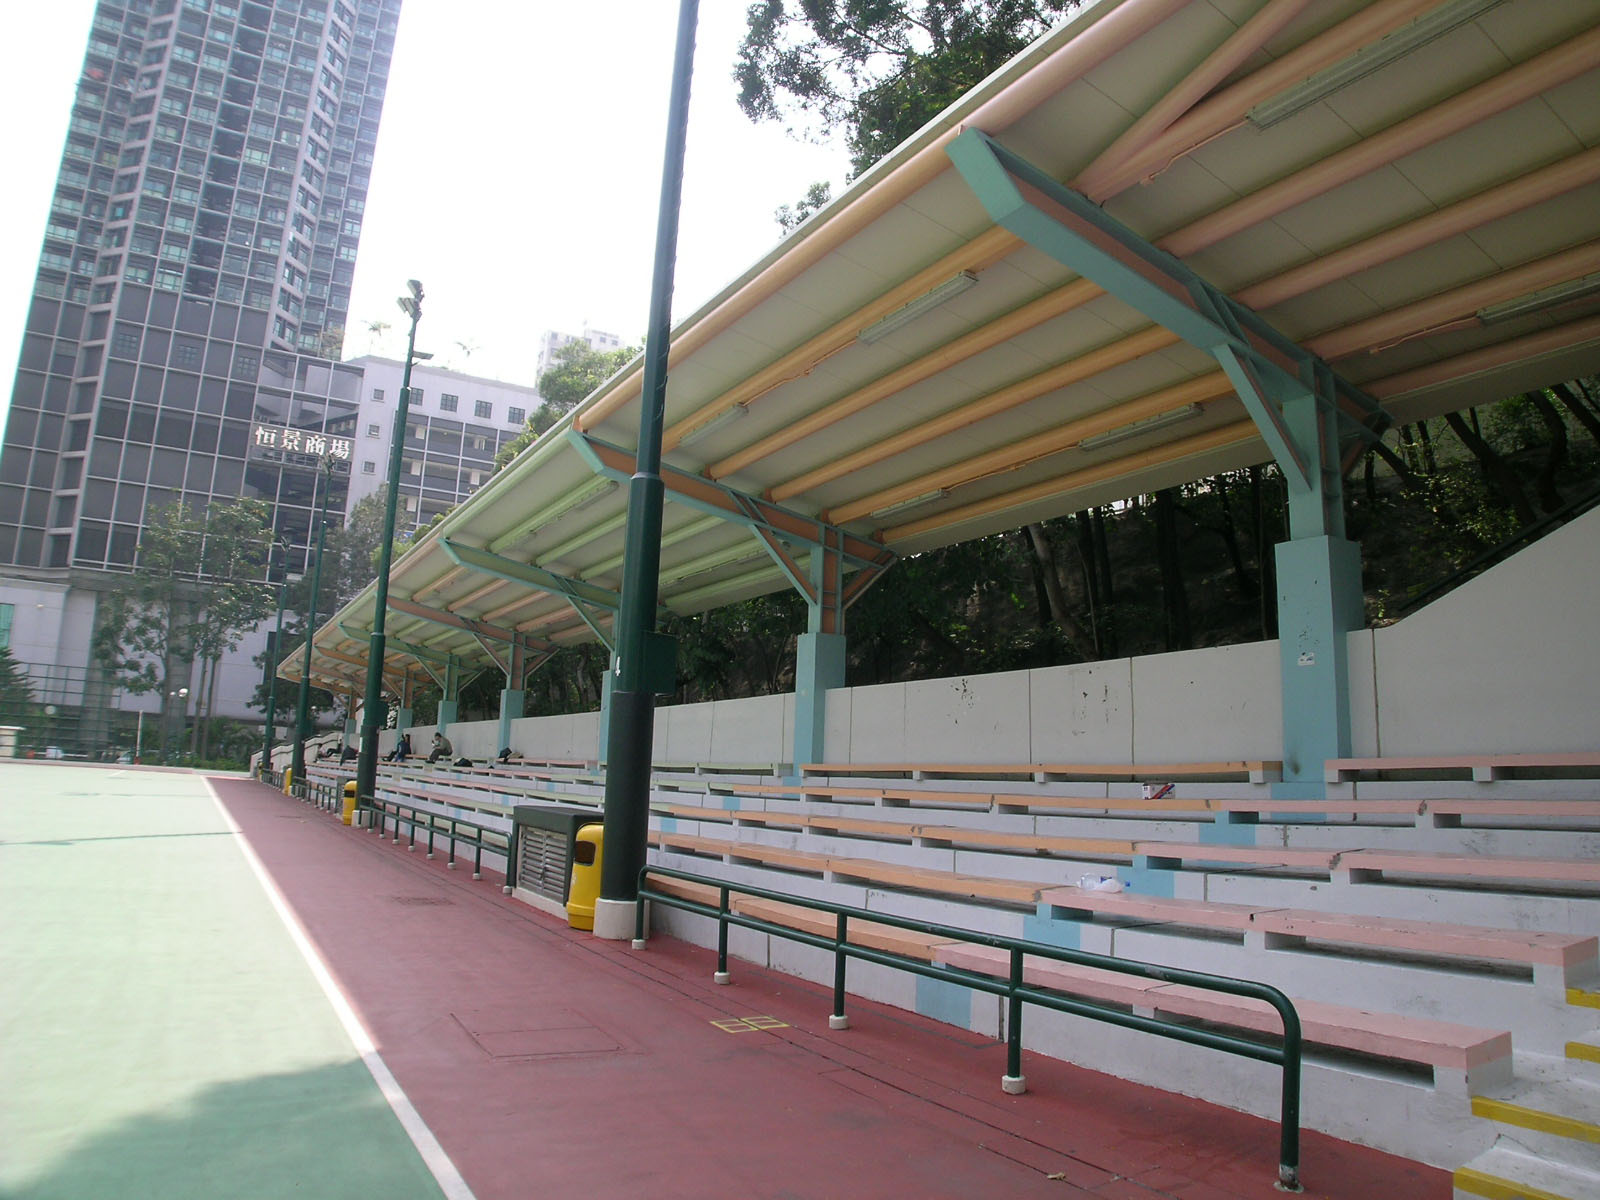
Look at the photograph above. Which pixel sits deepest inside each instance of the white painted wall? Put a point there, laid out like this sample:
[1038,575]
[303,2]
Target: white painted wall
[1508,662]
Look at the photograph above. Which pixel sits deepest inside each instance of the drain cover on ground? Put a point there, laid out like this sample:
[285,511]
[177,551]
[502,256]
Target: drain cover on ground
[534,1033]
[420,901]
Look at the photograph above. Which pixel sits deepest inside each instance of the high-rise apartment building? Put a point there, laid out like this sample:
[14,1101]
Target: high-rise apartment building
[201,241]
[554,339]
[192,291]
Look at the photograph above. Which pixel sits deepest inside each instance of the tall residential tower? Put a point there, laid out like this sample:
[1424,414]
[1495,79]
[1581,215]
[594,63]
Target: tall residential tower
[191,295]
[200,247]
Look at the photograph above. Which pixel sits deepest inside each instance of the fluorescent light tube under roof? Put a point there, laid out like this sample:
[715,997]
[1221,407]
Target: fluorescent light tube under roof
[1368,59]
[903,316]
[1139,428]
[910,502]
[717,422]
[1561,293]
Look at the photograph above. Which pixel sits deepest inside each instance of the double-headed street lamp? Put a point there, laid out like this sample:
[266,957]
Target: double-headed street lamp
[302,723]
[367,764]
[271,681]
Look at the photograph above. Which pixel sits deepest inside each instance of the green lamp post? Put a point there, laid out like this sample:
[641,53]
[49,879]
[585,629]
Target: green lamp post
[302,723]
[367,763]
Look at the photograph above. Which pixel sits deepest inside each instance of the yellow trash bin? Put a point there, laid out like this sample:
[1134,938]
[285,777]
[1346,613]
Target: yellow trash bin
[585,886]
[288,781]
[349,801]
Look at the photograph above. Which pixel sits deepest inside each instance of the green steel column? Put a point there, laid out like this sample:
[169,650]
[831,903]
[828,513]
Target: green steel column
[446,715]
[1319,603]
[272,675]
[819,665]
[639,649]
[367,763]
[510,709]
[302,722]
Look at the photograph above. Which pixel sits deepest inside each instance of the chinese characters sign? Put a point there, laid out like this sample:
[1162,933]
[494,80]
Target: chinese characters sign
[284,444]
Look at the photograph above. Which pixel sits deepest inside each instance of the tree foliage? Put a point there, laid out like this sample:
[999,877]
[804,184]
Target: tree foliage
[578,369]
[790,218]
[877,69]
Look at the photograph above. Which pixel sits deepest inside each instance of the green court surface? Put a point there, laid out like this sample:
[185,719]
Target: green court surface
[161,1035]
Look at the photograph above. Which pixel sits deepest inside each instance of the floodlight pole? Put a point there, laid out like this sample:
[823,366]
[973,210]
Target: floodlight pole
[271,683]
[302,723]
[367,762]
[638,658]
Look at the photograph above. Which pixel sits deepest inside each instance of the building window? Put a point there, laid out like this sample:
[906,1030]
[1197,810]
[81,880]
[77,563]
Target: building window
[368,468]
[482,409]
[447,402]
[516,415]
[6,612]
[372,430]
[377,394]
[416,397]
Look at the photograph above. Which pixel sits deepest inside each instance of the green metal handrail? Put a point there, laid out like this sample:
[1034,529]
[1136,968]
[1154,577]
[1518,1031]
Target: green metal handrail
[414,815]
[1287,1056]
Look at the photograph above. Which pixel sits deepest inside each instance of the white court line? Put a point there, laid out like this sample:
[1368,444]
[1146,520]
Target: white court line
[433,1155]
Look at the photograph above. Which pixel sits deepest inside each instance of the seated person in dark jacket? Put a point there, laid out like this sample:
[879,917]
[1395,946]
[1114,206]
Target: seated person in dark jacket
[402,749]
[441,748]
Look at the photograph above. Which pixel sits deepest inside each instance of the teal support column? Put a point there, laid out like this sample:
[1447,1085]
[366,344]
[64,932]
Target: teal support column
[447,714]
[510,710]
[352,731]
[402,719]
[1319,603]
[819,665]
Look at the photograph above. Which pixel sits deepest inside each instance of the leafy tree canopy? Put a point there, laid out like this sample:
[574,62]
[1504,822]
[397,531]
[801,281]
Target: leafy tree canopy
[878,69]
[577,370]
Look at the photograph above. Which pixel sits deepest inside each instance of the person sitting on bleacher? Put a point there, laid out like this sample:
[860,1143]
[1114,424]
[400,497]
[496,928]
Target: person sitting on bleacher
[402,749]
[441,748]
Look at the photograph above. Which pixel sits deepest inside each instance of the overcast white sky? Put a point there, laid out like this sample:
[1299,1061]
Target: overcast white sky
[517,174]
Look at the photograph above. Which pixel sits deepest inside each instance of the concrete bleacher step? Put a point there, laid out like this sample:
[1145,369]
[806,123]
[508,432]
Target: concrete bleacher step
[1507,1171]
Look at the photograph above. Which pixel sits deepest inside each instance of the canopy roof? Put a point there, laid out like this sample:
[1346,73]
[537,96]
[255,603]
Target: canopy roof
[1408,189]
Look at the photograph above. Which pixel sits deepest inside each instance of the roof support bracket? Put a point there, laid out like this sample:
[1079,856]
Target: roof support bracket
[1268,370]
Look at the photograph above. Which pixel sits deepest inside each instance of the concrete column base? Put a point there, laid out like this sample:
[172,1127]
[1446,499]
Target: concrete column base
[837,1022]
[1013,1085]
[613,920]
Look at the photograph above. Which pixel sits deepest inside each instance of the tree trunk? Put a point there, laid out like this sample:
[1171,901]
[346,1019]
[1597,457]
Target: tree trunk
[1242,580]
[1556,457]
[1174,601]
[1045,555]
[1106,596]
[1496,470]
[1041,593]
[1429,462]
[1575,405]
[211,707]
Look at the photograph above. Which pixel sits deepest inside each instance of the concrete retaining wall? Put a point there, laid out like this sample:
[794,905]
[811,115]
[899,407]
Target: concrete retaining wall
[1508,662]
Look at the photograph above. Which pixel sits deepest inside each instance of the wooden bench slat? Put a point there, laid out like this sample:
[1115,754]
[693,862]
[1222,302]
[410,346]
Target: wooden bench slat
[1471,866]
[1413,1039]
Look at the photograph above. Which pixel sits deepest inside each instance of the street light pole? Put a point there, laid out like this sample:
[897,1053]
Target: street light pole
[302,724]
[271,683]
[642,656]
[367,763]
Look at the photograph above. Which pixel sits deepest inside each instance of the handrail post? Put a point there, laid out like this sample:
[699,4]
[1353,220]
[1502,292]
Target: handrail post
[838,1018]
[1014,1082]
[638,911]
[722,975]
[1289,1117]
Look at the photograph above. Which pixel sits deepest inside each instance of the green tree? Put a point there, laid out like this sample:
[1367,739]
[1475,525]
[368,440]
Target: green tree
[16,693]
[577,371]
[877,69]
[791,218]
[196,587]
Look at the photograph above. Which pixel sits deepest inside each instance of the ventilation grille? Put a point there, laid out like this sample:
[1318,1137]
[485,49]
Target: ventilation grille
[542,865]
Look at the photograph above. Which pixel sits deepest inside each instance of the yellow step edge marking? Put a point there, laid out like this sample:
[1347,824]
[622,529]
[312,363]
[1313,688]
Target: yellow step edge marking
[1533,1118]
[1583,997]
[1492,1187]
[749,1024]
[1583,1050]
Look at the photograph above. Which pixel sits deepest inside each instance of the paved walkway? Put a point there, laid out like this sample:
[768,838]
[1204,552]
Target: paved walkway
[168,1037]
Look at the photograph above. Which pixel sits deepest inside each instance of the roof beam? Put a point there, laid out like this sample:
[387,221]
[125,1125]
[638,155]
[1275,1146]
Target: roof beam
[1264,366]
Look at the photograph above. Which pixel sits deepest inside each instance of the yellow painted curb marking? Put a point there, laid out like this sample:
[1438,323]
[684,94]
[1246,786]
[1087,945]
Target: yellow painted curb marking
[1583,998]
[1534,1118]
[1492,1187]
[749,1024]
[1583,1050]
